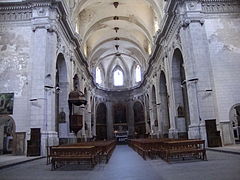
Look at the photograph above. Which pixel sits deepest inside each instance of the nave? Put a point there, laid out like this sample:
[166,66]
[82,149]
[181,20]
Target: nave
[125,164]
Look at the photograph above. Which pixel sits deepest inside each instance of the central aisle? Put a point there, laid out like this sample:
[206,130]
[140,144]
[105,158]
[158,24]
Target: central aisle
[127,164]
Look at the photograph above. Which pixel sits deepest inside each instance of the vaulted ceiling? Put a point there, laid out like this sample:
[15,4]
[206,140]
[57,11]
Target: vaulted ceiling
[115,31]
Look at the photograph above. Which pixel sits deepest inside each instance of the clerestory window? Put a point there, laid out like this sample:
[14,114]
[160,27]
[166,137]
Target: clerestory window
[138,74]
[118,78]
[98,76]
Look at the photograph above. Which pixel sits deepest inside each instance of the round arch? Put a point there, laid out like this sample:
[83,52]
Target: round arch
[62,86]
[164,105]
[180,94]
[154,107]
[8,134]
[234,116]
[139,119]
[101,121]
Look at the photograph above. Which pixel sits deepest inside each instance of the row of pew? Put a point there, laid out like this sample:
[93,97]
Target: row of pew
[168,149]
[93,152]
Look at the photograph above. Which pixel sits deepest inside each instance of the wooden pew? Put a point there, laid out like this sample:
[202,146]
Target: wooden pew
[167,148]
[182,148]
[81,151]
[142,146]
[64,154]
[104,148]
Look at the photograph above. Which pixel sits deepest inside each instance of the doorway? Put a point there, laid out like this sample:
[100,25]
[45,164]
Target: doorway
[213,136]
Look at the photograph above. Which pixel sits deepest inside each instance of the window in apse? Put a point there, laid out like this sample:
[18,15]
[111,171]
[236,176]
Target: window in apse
[118,78]
[98,76]
[138,74]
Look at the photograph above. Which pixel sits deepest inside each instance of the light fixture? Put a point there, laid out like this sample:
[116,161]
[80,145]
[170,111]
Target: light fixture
[116,29]
[118,54]
[116,39]
[115,18]
[116,4]
[117,46]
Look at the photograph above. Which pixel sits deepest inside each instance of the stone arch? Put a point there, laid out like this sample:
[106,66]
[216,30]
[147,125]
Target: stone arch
[119,113]
[92,102]
[7,134]
[139,119]
[87,95]
[154,107]
[62,86]
[118,62]
[97,48]
[157,8]
[136,23]
[164,105]
[101,121]
[147,110]
[234,116]
[180,94]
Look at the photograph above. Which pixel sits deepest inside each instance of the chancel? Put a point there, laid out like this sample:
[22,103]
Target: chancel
[109,71]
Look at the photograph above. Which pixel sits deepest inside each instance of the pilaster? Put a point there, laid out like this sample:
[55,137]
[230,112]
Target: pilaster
[109,120]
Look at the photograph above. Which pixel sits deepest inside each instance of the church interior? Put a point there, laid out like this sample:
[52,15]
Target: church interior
[85,71]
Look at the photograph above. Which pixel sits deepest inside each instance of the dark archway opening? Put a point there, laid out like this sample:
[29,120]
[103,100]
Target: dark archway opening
[154,112]
[180,94]
[139,120]
[164,106]
[61,93]
[101,122]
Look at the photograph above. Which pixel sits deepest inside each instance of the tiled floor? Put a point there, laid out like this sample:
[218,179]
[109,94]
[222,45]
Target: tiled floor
[125,164]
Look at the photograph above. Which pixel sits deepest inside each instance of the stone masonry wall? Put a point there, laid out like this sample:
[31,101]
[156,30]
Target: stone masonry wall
[15,42]
[224,43]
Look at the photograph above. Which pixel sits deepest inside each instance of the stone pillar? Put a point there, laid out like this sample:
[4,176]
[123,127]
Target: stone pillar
[198,69]
[63,93]
[109,120]
[43,63]
[158,103]
[194,127]
[148,128]
[84,119]
[172,133]
[151,114]
[94,118]
[130,120]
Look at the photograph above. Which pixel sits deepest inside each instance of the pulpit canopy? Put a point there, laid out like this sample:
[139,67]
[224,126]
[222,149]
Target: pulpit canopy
[77,98]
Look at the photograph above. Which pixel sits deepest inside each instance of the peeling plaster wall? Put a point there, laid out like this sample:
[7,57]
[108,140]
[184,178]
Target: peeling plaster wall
[224,43]
[14,61]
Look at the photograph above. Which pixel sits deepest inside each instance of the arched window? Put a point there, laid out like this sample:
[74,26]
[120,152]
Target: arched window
[138,74]
[118,78]
[98,76]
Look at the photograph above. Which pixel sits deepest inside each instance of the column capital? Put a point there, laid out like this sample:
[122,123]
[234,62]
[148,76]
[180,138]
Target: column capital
[187,21]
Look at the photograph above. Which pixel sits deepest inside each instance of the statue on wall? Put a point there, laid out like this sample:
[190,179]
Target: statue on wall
[62,116]
[180,111]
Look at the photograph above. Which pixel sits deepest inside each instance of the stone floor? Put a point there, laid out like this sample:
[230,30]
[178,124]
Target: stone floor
[125,164]
[235,149]
[7,160]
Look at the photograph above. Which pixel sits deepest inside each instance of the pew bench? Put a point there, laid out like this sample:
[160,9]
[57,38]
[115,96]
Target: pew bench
[65,154]
[182,148]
